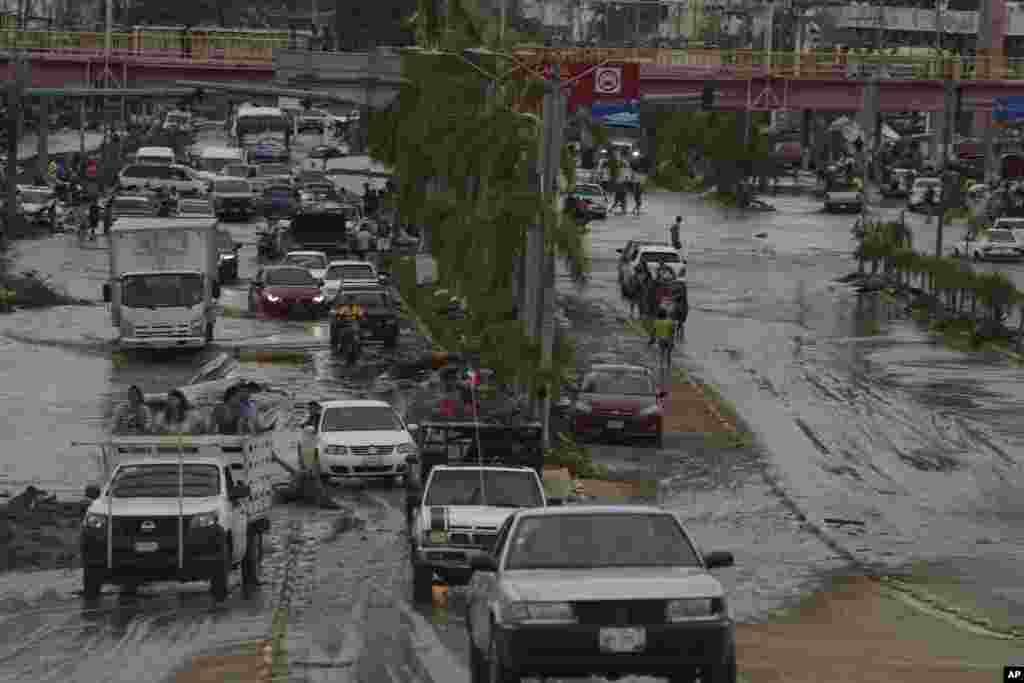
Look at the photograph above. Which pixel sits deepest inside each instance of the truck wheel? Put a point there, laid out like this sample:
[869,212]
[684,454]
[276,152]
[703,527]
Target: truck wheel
[92,583]
[422,583]
[209,332]
[219,580]
[251,562]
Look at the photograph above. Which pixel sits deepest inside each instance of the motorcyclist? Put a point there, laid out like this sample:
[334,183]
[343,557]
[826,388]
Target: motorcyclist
[350,316]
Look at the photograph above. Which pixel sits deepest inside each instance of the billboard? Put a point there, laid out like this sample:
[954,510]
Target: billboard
[625,114]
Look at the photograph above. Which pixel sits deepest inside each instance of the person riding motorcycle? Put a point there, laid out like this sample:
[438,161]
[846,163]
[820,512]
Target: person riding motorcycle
[349,316]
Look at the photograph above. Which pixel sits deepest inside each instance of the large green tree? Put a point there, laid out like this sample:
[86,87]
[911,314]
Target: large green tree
[464,155]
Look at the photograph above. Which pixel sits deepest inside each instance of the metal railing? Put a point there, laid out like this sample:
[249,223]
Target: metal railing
[258,51]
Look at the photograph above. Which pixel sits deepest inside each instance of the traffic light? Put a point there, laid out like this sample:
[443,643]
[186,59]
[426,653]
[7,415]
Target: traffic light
[707,99]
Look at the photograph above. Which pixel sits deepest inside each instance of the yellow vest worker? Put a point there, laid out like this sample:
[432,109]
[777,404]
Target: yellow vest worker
[664,329]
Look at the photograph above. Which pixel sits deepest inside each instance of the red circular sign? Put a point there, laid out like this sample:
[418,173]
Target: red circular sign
[608,81]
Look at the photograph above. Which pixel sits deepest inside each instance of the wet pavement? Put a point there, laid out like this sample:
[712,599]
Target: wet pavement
[920,441]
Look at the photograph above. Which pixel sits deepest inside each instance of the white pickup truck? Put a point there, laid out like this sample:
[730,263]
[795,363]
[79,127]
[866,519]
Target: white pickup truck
[459,515]
[187,510]
[991,245]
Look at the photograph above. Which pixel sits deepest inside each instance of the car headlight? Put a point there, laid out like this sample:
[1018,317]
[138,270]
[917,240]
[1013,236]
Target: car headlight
[538,613]
[405,449]
[335,450]
[228,257]
[273,298]
[653,409]
[95,521]
[318,299]
[204,520]
[694,608]
[583,407]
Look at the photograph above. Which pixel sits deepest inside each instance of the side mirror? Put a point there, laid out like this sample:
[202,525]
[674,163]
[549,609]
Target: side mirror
[413,428]
[662,394]
[717,559]
[618,251]
[92,491]
[483,563]
[319,283]
[237,246]
[107,294]
[216,290]
[240,492]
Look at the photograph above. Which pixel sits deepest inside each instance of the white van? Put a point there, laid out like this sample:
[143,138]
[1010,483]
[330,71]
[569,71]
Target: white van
[155,155]
[213,160]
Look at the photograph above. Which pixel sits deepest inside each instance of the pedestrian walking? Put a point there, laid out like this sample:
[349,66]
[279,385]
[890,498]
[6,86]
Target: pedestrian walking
[680,310]
[620,199]
[673,231]
[638,196]
[663,333]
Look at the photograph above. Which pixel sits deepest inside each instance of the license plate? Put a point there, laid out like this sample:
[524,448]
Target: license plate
[146,546]
[622,639]
[616,424]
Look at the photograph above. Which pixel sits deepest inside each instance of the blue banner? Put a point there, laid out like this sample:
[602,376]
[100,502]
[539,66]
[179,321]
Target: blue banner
[617,114]
[1009,109]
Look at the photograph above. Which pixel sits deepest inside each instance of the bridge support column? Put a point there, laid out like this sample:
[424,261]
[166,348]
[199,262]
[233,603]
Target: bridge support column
[42,156]
[806,138]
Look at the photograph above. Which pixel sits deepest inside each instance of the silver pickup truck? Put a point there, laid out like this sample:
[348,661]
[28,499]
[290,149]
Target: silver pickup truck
[458,517]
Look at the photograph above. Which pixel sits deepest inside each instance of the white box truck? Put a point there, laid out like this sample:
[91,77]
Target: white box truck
[188,508]
[163,281]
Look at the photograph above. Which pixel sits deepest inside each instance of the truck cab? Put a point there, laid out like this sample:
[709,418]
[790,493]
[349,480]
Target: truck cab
[459,515]
[163,281]
[188,509]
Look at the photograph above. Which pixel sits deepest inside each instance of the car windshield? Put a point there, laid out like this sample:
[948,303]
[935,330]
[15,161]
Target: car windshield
[585,540]
[589,192]
[310,177]
[360,419]
[231,186]
[163,481]
[364,299]
[306,260]
[659,257]
[148,171]
[483,487]
[925,183]
[154,160]
[625,383]
[349,272]
[32,197]
[236,170]
[274,169]
[1001,236]
[213,165]
[290,277]
[167,290]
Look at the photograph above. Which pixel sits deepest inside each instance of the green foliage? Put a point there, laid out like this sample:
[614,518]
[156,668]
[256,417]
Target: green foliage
[711,144]
[574,457]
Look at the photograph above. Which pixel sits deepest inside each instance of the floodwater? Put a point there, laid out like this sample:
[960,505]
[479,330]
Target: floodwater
[921,440]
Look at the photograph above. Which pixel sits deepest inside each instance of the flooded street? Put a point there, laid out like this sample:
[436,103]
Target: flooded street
[884,426]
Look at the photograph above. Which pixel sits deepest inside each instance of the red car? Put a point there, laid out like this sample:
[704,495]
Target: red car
[620,401]
[286,291]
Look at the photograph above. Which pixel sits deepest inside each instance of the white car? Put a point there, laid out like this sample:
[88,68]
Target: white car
[313,261]
[363,439]
[663,262]
[152,176]
[919,192]
[358,273]
[1014,225]
[991,245]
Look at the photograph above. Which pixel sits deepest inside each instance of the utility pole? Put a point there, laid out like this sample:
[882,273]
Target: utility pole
[554,127]
[947,141]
